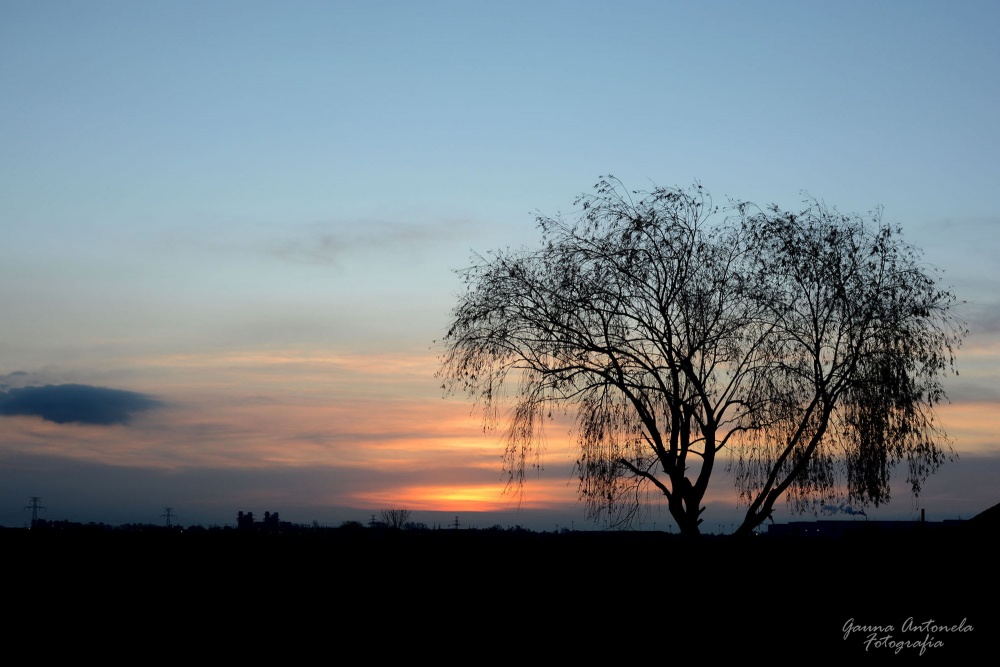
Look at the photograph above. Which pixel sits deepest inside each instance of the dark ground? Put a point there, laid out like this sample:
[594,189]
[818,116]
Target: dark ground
[467,595]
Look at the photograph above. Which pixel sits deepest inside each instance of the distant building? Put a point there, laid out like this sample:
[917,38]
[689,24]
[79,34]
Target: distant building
[833,528]
[270,524]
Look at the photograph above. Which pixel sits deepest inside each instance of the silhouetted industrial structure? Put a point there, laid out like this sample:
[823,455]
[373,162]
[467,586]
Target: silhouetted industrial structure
[832,528]
[270,524]
[34,507]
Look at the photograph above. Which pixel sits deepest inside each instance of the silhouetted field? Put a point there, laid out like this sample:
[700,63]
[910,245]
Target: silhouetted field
[652,590]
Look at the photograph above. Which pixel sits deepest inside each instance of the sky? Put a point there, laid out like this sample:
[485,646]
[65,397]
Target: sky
[230,229]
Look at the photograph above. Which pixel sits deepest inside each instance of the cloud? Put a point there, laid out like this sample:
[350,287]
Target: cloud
[67,403]
[982,317]
[331,244]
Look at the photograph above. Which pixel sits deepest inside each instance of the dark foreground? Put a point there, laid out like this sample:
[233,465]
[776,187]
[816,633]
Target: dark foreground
[482,596]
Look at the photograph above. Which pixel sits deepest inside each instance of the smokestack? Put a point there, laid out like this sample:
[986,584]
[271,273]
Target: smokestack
[922,517]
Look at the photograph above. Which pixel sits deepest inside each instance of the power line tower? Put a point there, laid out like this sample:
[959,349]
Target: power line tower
[34,507]
[168,514]
[456,524]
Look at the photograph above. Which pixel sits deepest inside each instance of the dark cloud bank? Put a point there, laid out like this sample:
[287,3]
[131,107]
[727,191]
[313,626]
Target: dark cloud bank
[80,403]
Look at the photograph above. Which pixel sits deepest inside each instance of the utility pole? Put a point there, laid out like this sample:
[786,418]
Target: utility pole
[34,507]
[168,514]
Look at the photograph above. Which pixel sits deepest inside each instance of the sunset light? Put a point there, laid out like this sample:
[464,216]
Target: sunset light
[232,249]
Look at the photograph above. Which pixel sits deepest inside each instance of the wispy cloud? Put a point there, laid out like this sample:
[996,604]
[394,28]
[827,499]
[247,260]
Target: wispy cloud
[982,317]
[331,244]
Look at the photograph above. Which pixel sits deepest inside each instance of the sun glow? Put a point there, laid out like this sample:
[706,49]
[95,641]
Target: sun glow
[486,497]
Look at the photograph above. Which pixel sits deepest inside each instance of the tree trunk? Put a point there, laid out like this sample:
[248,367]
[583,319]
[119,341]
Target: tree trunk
[749,523]
[685,507]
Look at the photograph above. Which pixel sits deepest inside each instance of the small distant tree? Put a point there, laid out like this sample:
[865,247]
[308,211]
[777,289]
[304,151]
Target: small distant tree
[395,517]
[415,526]
[810,345]
[352,526]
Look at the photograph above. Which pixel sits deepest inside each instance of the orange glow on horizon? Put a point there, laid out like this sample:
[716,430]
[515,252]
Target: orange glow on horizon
[972,427]
[376,426]
[537,494]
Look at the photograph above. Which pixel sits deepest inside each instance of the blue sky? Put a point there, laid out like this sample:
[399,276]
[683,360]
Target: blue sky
[249,212]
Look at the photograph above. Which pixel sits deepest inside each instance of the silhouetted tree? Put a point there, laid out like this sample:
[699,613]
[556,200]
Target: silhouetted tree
[809,345]
[395,517]
[415,526]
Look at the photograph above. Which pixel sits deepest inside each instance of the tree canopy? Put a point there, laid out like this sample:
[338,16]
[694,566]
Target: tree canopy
[810,346]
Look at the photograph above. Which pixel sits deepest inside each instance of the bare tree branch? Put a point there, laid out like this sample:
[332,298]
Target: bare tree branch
[395,517]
